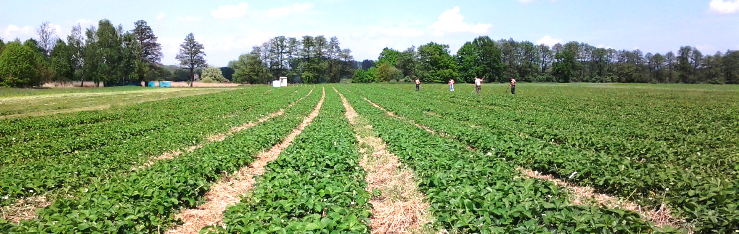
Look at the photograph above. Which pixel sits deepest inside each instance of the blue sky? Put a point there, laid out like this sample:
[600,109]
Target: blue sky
[230,28]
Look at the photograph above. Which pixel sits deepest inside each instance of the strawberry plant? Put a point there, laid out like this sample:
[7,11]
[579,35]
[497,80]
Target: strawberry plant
[316,185]
[471,192]
[145,201]
[691,185]
[65,157]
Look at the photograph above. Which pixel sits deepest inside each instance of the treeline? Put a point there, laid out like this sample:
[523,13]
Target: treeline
[303,60]
[572,62]
[105,53]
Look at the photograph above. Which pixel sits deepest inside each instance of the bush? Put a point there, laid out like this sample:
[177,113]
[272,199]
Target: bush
[18,66]
[213,74]
[387,72]
[362,76]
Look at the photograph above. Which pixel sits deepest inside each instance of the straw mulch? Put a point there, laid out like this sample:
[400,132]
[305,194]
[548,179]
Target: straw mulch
[227,191]
[400,208]
[660,216]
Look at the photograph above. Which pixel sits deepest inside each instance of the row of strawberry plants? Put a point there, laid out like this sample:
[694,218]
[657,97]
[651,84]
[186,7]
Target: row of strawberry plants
[471,192]
[316,185]
[653,126]
[702,197]
[145,201]
[66,172]
[471,109]
[36,138]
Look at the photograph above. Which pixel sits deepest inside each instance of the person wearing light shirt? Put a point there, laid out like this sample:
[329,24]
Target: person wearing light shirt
[451,84]
[478,83]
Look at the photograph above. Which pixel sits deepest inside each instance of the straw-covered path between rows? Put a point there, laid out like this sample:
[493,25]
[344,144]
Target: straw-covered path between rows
[227,191]
[581,195]
[25,208]
[400,208]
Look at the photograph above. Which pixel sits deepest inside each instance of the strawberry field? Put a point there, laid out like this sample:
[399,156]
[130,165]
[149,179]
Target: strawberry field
[103,171]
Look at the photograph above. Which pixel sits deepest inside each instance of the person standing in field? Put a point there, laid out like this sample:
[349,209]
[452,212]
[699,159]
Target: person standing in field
[478,83]
[418,84]
[451,84]
[513,86]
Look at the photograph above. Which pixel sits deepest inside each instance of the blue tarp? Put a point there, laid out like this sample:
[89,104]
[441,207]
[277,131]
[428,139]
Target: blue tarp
[165,84]
[152,84]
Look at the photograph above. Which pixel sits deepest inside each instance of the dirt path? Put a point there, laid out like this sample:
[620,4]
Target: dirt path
[400,208]
[227,191]
[582,195]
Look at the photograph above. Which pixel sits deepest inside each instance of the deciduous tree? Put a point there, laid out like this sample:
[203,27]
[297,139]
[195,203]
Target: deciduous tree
[491,62]
[436,64]
[730,67]
[389,56]
[470,64]
[109,49]
[47,38]
[563,66]
[250,69]
[133,67]
[76,48]
[61,61]
[92,57]
[408,62]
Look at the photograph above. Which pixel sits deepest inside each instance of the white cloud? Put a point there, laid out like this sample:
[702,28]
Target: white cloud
[724,7]
[190,19]
[452,22]
[85,23]
[396,31]
[160,16]
[289,10]
[603,46]
[548,40]
[12,32]
[229,12]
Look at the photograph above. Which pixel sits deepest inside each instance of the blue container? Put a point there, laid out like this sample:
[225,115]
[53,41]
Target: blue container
[152,84]
[163,84]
